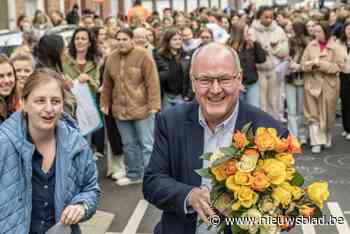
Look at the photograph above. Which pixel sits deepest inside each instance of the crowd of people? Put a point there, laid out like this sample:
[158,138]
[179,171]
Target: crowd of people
[295,64]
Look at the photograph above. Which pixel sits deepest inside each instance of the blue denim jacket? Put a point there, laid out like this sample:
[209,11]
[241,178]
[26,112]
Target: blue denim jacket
[76,174]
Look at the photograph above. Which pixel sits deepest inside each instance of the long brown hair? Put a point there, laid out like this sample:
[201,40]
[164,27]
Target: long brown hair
[164,46]
[236,39]
[7,104]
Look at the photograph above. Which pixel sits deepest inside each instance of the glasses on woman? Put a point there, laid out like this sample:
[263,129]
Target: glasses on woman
[224,81]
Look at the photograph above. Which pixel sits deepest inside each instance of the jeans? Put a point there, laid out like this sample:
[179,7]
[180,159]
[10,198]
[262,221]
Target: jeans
[170,100]
[137,138]
[252,94]
[295,110]
[270,93]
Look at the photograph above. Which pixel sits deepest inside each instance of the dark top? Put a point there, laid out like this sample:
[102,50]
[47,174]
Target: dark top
[43,200]
[174,73]
[249,57]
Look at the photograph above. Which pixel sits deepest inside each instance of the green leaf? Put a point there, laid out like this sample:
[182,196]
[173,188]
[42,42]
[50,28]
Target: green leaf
[229,151]
[246,127]
[298,179]
[206,156]
[205,173]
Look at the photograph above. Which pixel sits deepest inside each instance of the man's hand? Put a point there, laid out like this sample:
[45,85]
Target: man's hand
[72,214]
[84,77]
[105,110]
[153,111]
[199,200]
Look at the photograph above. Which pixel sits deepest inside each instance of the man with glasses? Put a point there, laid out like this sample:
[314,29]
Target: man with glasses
[185,132]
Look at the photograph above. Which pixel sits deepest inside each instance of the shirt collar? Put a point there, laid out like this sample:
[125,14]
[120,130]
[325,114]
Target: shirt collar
[230,122]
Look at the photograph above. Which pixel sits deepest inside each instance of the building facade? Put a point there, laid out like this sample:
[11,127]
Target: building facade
[10,10]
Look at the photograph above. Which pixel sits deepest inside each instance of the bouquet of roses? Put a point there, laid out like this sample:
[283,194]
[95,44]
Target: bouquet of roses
[255,180]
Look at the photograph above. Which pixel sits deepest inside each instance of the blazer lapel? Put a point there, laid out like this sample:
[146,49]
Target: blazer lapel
[241,118]
[195,143]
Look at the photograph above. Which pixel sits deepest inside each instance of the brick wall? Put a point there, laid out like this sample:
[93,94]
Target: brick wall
[52,5]
[20,7]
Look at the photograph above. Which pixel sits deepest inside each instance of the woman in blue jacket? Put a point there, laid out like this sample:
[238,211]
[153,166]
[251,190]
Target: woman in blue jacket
[47,173]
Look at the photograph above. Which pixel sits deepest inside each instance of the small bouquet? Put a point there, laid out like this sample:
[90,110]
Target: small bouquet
[256,186]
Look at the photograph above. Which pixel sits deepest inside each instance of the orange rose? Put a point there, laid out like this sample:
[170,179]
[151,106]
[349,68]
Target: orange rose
[285,223]
[281,145]
[251,152]
[240,140]
[307,211]
[294,145]
[265,139]
[260,181]
[231,167]
[219,172]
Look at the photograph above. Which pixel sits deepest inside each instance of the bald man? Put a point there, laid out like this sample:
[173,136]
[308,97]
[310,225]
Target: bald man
[185,132]
[140,39]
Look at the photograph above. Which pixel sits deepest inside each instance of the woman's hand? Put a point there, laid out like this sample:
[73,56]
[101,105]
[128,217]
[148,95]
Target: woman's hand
[84,77]
[73,214]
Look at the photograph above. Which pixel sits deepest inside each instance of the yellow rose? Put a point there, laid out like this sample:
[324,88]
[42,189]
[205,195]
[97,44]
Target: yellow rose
[287,159]
[231,185]
[231,167]
[246,196]
[282,195]
[260,181]
[318,193]
[307,211]
[235,206]
[264,139]
[240,140]
[290,173]
[247,163]
[219,172]
[218,154]
[275,170]
[297,192]
[242,178]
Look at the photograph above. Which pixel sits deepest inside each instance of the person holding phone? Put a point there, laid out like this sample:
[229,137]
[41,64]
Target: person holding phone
[322,61]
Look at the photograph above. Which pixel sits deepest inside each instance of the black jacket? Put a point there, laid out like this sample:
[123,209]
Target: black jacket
[249,58]
[174,76]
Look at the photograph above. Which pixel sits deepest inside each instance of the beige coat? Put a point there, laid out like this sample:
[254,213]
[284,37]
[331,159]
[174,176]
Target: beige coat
[322,83]
[131,85]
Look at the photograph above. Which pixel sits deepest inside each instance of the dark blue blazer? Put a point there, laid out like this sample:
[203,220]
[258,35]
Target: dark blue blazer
[178,144]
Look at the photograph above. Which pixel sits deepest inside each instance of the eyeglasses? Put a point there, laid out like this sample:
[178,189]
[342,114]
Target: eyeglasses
[223,81]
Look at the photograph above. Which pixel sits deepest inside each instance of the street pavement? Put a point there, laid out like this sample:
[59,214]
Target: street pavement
[123,210]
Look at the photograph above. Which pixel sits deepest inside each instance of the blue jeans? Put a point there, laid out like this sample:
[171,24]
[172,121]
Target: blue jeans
[252,94]
[295,108]
[170,100]
[137,138]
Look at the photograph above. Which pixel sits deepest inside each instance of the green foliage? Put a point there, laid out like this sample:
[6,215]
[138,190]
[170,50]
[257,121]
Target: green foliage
[298,179]
[205,173]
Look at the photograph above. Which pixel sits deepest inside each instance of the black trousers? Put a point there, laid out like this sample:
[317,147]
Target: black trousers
[345,100]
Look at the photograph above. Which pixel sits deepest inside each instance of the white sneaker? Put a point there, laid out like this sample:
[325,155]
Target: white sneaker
[344,134]
[347,136]
[126,181]
[316,149]
[118,175]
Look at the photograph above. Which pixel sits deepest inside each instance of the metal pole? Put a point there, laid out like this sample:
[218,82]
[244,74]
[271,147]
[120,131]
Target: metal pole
[186,6]
[171,4]
[154,5]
